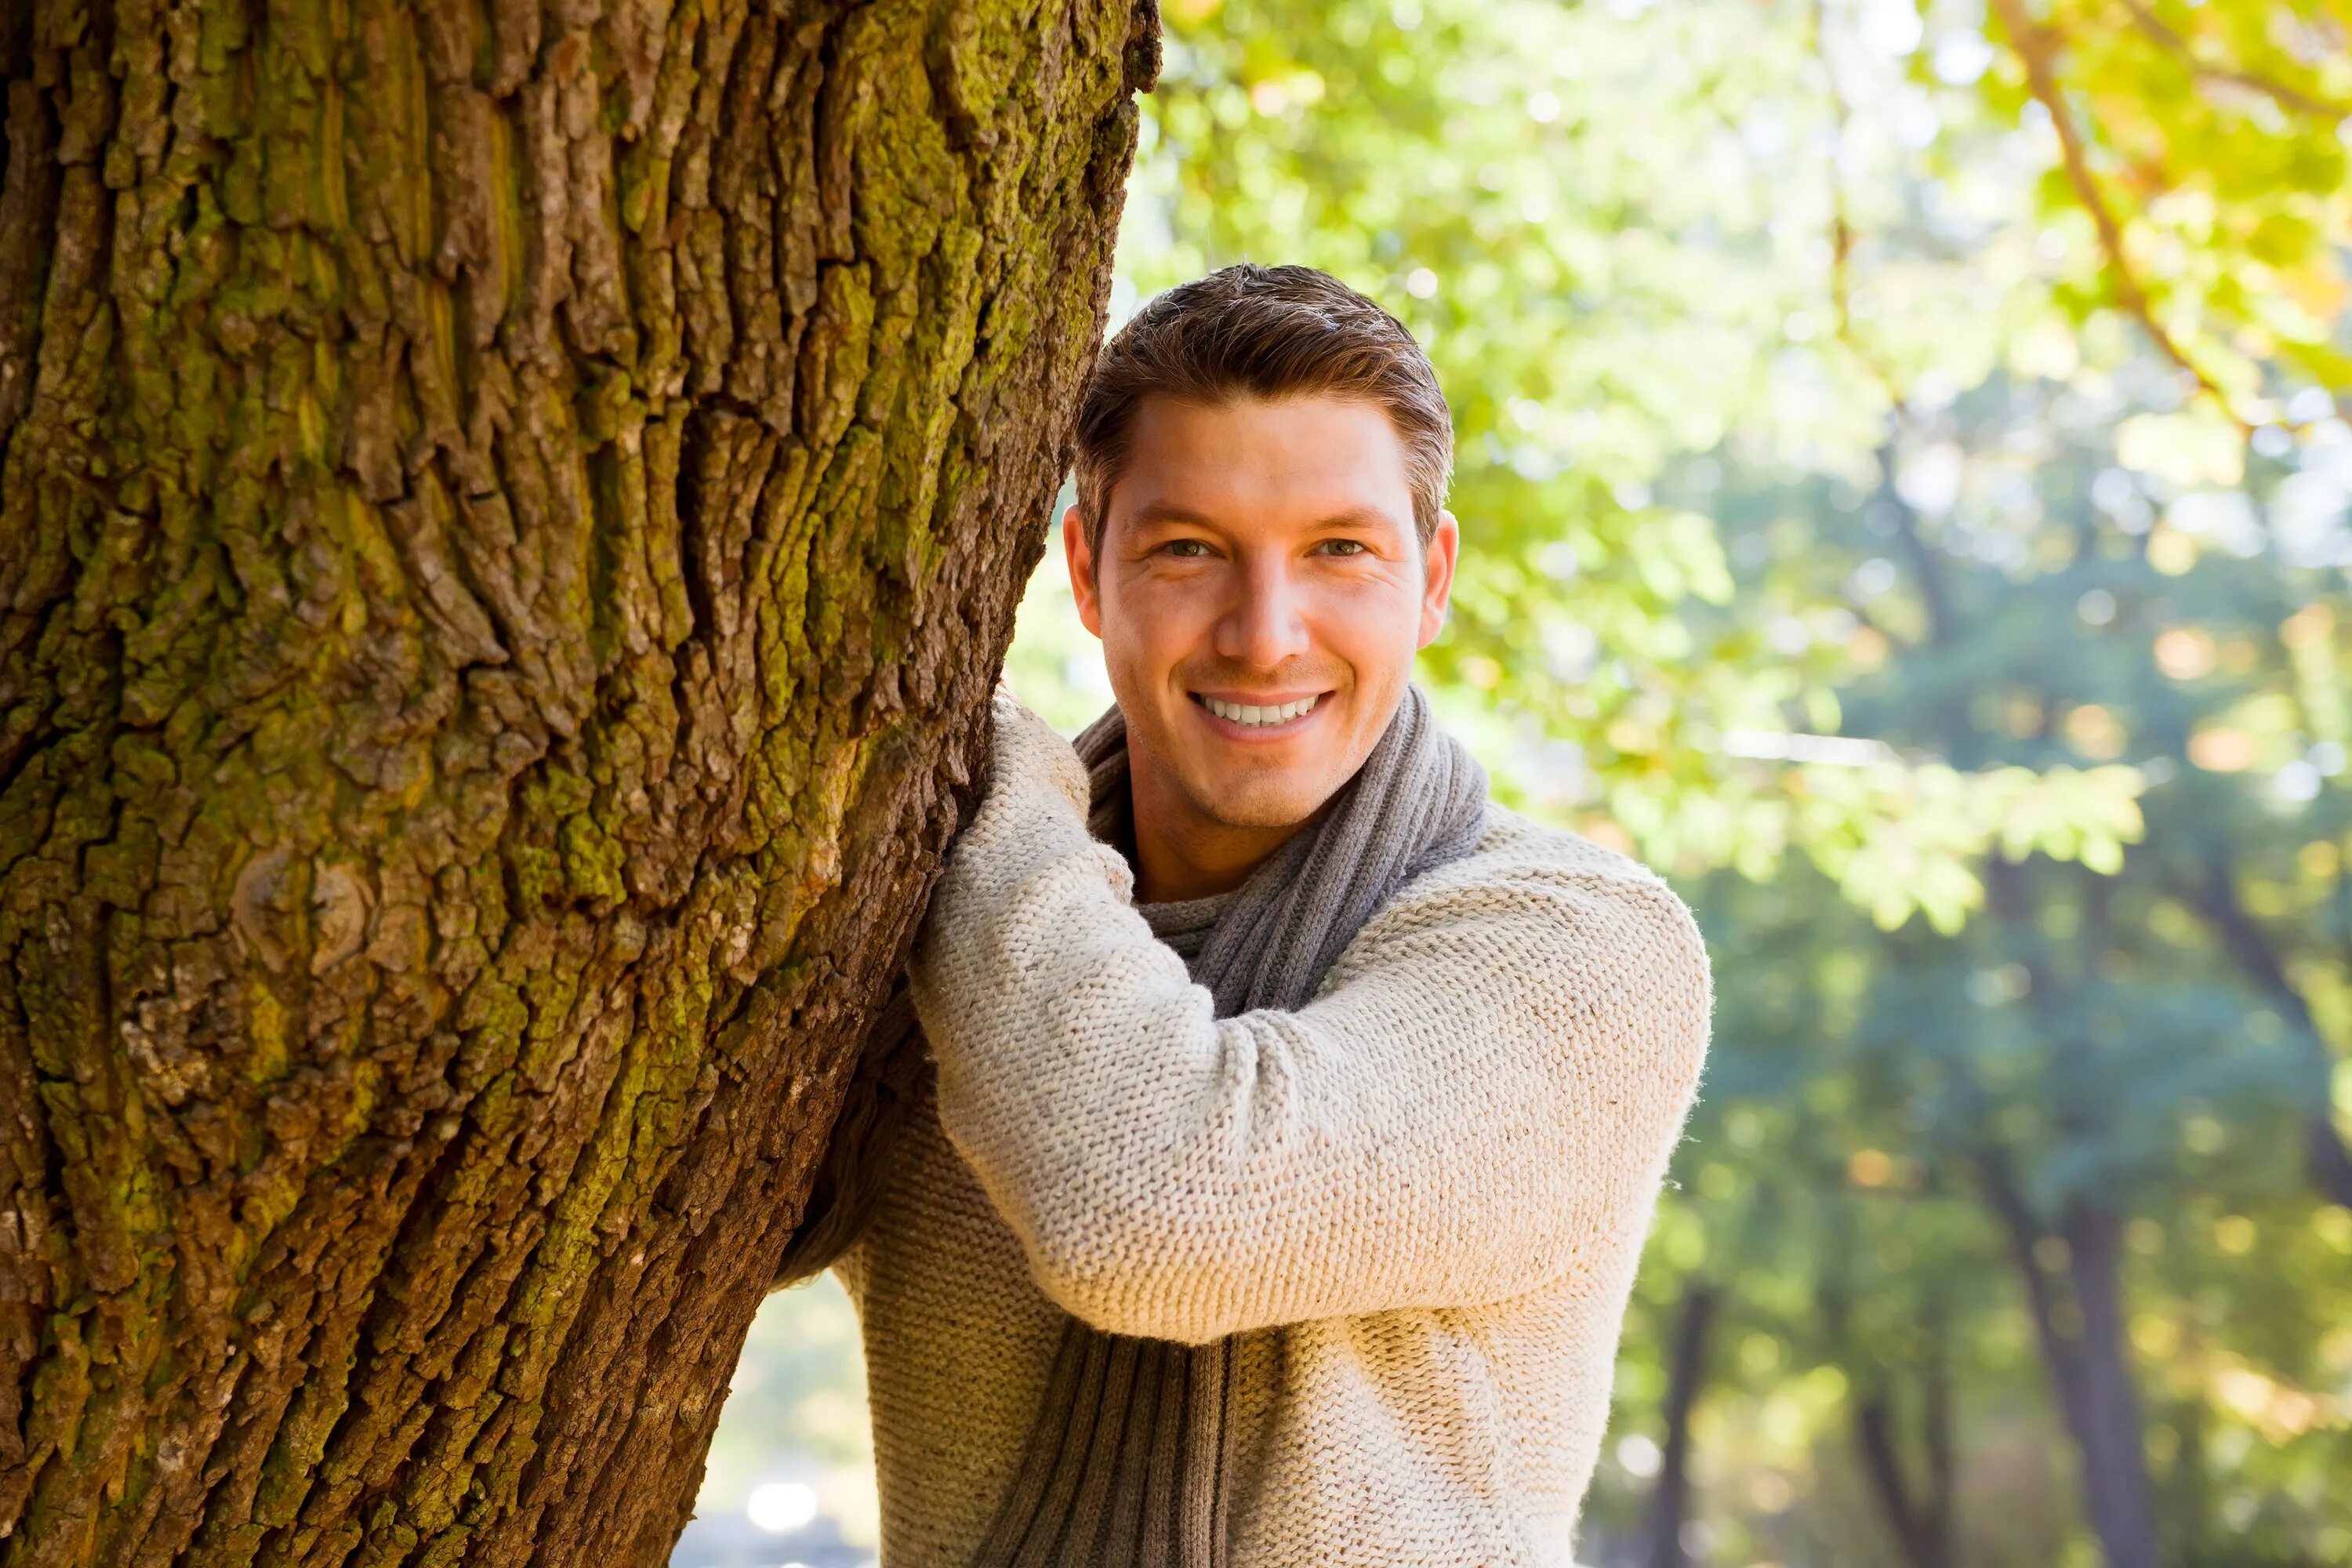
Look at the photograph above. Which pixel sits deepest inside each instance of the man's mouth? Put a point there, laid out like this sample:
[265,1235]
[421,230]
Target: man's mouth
[1258,715]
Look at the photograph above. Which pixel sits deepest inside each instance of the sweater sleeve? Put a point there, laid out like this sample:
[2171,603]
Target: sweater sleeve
[1481,1101]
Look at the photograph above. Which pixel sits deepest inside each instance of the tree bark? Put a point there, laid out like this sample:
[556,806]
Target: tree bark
[510,513]
[1662,1532]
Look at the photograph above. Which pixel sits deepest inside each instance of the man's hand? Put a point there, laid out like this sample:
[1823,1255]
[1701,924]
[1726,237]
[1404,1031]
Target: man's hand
[1028,758]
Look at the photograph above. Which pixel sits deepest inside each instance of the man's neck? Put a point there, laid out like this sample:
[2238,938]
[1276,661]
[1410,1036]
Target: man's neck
[1181,853]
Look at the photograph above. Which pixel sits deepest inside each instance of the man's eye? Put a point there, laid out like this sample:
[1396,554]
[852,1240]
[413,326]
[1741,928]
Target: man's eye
[1342,547]
[1188,549]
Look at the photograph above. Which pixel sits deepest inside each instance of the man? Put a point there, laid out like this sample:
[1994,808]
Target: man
[1297,1115]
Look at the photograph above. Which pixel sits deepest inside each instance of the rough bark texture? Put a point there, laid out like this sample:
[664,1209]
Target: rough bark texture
[509,513]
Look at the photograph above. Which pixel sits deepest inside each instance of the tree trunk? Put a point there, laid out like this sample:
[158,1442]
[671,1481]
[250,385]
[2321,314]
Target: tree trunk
[510,513]
[2083,1341]
[1919,1516]
[1662,1532]
[2107,1425]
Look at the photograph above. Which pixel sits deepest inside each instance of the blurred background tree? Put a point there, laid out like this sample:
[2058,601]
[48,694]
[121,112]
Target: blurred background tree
[1904,475]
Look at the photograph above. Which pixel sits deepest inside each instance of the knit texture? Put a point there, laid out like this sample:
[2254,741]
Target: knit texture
[1417,1200]
[1129,1461]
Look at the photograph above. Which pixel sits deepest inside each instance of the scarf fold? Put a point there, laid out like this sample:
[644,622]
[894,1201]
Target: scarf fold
[1128,1462]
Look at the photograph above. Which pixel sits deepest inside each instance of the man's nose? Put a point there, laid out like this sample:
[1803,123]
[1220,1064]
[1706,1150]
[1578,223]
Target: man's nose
[1266,623]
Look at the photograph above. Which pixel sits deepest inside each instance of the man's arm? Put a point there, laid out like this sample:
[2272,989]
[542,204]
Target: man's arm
[1482,1100]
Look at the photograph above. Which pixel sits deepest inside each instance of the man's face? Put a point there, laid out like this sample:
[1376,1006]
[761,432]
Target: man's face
[1260,594]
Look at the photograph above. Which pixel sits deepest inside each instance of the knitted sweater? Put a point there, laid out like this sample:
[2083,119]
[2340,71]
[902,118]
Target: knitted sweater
[1419,1201]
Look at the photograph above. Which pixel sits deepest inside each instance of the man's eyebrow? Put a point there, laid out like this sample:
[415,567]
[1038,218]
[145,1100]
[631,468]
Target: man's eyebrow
[1359,516]
[1168,511]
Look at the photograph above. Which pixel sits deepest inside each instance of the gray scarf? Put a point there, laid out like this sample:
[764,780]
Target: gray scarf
[1128,1463]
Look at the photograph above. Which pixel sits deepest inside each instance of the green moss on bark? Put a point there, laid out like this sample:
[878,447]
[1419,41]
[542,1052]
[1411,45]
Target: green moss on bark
[505,535]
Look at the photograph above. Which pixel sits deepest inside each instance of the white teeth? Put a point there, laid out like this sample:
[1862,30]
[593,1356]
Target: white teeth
[1252,713]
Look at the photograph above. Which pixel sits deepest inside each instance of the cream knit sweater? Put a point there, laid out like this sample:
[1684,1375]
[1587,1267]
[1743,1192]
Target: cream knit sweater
[1419,1200]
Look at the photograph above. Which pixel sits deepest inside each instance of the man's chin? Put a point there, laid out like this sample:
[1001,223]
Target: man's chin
[1286,806]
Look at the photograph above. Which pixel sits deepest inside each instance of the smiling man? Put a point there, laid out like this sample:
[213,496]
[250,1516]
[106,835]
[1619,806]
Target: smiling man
[1273,569]
[1294,1115]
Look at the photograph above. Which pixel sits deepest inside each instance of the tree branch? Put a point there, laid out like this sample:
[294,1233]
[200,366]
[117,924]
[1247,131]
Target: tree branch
[2037,48]
[1842,233]
[2214,895]
[2278,92]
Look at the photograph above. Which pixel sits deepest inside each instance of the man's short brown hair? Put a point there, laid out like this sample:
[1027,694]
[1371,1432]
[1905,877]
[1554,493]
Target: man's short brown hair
[1269,333]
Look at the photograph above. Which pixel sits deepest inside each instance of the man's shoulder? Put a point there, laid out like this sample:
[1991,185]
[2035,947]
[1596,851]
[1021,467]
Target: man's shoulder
[1543,911]
[1514,847]
[1546,884]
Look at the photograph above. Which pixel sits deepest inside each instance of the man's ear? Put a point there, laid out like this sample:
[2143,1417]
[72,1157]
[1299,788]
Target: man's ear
[1438,576]
[1081,561]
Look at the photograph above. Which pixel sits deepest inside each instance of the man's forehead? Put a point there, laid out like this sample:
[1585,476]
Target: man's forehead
[1317,456]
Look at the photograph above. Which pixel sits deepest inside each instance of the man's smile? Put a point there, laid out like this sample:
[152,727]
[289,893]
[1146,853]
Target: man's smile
[1258,716]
